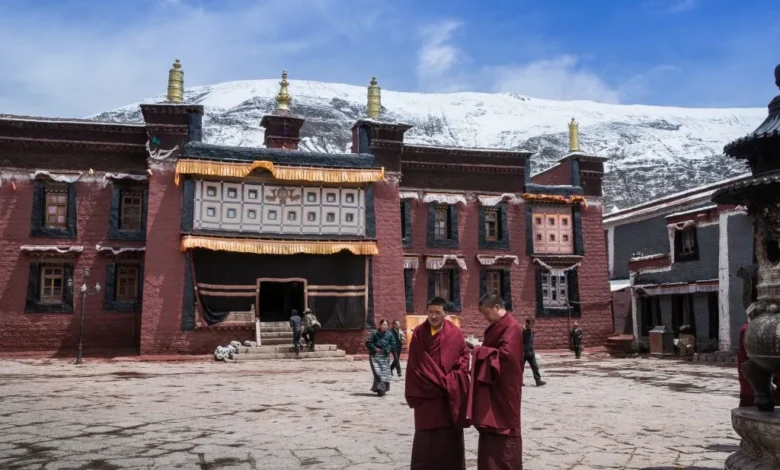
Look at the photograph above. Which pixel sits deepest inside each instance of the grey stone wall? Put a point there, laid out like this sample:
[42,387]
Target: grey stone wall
[704,268]
[647,236]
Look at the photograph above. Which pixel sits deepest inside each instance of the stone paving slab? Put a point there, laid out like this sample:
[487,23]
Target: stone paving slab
[598,413]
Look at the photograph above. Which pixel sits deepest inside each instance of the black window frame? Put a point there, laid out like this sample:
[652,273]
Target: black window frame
[502,242]
[452,241]
[409,289]
[115,232]
[406,223]
[649,314]
[453,304]
[109,297]
[506,285]
[681,257]
[573,293]
[33,302]
[38,227]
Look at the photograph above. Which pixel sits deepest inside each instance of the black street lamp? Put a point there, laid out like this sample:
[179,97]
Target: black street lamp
[85,290]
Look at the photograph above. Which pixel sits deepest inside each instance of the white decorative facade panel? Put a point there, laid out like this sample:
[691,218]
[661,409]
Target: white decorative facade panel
[264,208]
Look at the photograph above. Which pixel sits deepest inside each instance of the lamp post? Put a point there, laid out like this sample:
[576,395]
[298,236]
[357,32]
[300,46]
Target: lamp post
[84,290]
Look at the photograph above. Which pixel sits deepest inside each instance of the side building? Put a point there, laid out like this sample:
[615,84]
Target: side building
[196,244]
[681,262]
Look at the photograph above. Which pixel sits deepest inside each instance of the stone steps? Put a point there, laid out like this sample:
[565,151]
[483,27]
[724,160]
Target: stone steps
[279,348]
[276,341]
[276,334]
[333,355]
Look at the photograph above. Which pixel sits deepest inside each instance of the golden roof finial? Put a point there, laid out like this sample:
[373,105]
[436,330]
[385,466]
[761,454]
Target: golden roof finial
[176,83]
[574,136]
[374,100]
[283,98]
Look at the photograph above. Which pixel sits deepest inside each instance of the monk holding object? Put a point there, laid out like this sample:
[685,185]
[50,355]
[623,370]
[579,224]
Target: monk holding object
[494,406]
[437,387]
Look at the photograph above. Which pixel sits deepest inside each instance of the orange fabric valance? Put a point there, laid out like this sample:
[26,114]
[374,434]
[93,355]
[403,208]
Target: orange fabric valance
[280,172]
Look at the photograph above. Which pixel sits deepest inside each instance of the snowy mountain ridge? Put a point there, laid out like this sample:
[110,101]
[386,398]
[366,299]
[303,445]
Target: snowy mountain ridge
[652,150]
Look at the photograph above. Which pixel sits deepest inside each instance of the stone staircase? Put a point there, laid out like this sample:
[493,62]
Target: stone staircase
[276,341]
[619,345]
[323,352]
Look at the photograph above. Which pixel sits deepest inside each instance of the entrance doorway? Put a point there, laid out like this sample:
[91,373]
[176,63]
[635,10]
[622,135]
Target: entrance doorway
[276,298]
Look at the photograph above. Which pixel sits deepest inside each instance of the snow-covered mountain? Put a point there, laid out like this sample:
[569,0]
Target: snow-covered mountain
[652,150]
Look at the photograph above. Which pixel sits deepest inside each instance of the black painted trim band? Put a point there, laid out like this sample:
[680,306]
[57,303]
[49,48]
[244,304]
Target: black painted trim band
[188,205]
[188,298]
[409,290]
[370,212]
[370,318]
[406,220]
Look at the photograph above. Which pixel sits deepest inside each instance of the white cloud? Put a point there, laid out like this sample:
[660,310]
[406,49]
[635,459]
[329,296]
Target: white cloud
[559,78]
[60,61]
[437,55]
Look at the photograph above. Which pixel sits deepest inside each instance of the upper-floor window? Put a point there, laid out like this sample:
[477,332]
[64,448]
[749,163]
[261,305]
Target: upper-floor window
[686,245]
[131,210]
[492,229]
[552,230]
[56,207]
[441,222]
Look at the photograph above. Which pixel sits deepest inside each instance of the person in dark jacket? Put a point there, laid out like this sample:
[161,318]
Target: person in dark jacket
[529,355]
[576,339]
[400,337]
[295,324]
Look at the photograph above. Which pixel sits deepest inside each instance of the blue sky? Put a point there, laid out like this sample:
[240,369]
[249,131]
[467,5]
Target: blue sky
[78,57]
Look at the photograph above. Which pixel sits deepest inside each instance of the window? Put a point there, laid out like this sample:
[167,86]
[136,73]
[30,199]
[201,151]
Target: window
[406,223]
[409,289]
[311,216]
[232,193]
[231,213]
[441,223]
[555,292]
[211,191]
[252,194]
[251,214]
[211,212]
[682,313]
[311,197]
[686,246]
[292,216]
[131,210]
[491,224]
[126,289]
[493,282]
[552,229]
[271,215]
[350,198]
[442,285]
[330,197]
[330,217]
[714,316]
[56,208]
[52,284]
[349,217]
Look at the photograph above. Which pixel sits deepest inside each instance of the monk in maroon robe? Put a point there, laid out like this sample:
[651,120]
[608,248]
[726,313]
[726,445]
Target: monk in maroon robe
[494,404]
[746,392]
[437,387]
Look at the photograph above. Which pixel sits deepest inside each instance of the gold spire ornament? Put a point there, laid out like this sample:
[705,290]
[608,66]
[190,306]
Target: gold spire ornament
[283,99]
[574,136]
[374,100]
[176,83]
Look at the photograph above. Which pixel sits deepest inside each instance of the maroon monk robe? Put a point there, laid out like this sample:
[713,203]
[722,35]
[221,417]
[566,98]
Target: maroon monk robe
[494,405]
[437,387]
[746,392]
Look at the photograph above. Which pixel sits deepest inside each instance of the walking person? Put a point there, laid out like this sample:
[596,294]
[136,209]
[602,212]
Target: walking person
[380,344]
[310,327]
[576,339]
[494,405]
[295,324]
[529,355]
[400,338]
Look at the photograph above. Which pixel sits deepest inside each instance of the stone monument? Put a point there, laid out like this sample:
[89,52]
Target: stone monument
[759,426]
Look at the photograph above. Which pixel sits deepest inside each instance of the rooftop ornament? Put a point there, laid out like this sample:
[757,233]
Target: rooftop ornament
[760,446]
[574,136]
[374,100]
[176,83]
[283,98]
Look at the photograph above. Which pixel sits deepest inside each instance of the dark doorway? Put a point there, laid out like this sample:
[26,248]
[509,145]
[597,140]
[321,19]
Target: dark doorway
[277,299]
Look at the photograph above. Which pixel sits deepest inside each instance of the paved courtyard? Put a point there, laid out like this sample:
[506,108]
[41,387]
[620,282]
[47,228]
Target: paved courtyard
[595,413]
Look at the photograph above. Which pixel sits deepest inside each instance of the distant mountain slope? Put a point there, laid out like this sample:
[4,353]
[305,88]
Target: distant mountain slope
[652,150]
